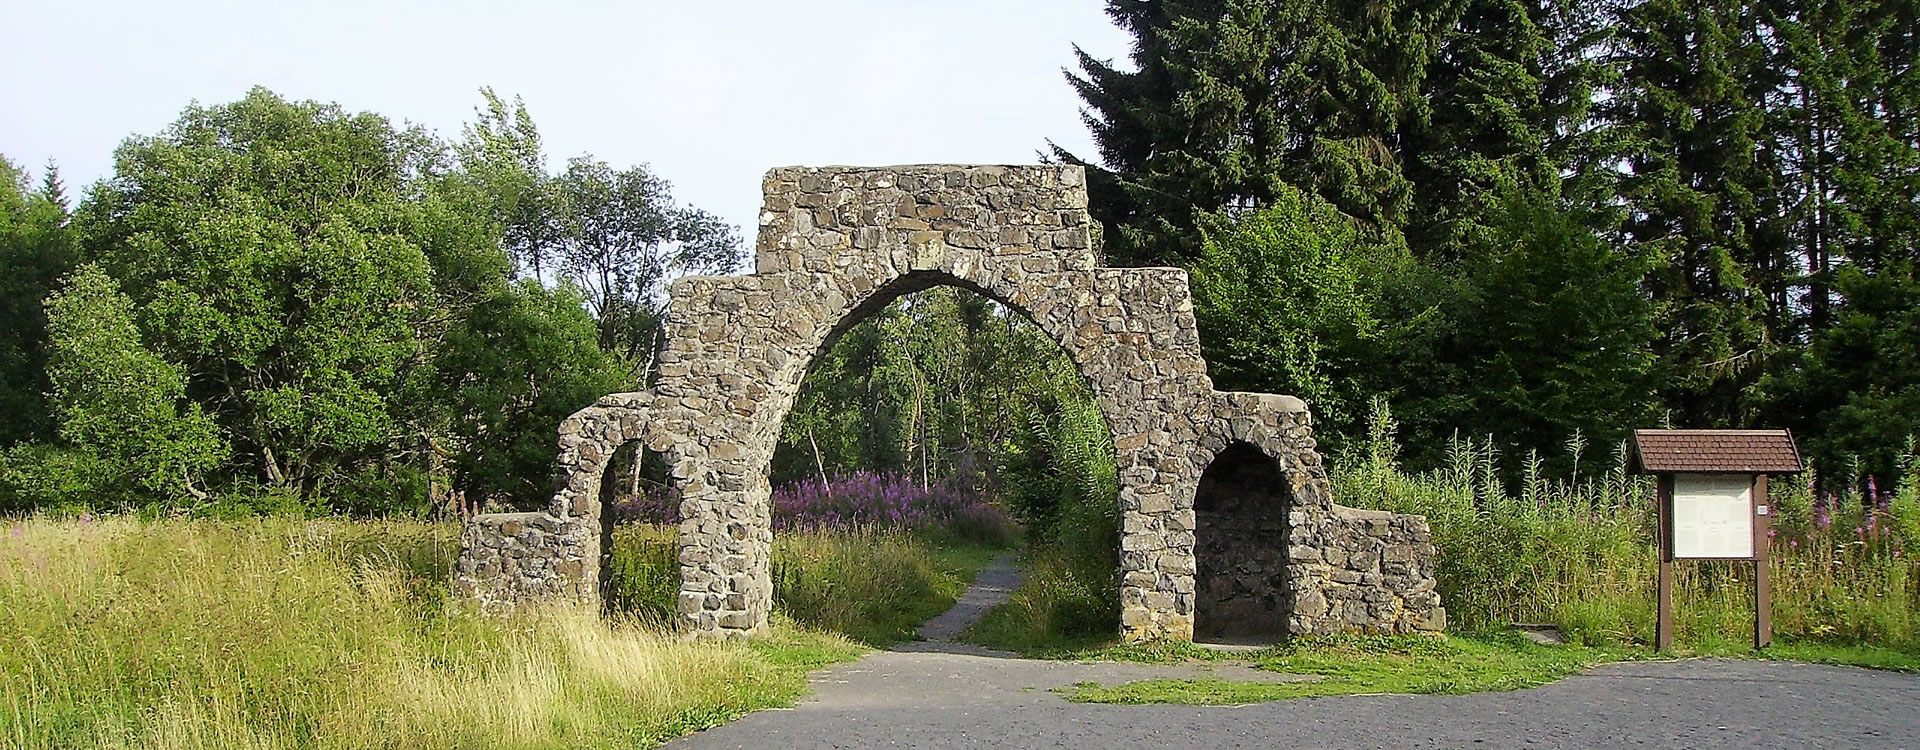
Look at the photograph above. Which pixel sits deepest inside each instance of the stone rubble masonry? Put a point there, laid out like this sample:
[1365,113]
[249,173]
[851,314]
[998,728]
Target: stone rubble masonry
[838,243]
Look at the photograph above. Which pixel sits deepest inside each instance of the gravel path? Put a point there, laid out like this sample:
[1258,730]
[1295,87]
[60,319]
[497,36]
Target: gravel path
[942,695]
[991,588]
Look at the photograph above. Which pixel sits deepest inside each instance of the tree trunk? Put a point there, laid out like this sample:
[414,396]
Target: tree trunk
[819,464]
[633,482]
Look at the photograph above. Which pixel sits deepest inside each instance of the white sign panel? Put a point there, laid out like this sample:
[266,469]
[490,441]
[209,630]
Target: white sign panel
[1713,515]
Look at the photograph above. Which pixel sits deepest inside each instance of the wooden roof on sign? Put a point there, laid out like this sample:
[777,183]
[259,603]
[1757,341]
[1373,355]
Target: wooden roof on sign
[1716,451]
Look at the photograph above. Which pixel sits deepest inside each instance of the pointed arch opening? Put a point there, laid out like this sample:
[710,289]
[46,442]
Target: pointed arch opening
[933,390]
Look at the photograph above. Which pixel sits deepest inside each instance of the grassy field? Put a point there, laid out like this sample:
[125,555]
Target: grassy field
[282,633]
[872,586]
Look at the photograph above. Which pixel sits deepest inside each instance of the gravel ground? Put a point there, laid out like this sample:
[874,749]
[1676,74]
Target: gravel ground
[939,700]
[943,695]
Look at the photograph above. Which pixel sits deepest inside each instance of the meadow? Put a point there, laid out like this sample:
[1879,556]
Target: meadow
[280,632]
[275,632]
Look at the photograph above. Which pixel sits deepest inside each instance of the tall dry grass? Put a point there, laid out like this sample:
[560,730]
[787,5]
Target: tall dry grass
[282,633]
[874,585]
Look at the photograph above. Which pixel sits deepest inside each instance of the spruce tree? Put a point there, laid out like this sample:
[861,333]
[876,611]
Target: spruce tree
[1510,96]
[1844,121]
[1233,99]
[36,249]
[1696,186]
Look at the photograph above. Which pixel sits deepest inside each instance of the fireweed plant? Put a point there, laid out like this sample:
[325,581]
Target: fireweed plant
[951,509]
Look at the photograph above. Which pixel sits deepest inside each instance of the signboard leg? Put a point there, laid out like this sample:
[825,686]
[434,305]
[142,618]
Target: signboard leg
[1663,625]
[1762,552]
[1663,617]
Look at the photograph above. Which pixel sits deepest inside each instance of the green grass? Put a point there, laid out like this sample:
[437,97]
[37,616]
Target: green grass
[1056,611]
[786,657]
[1363,665]
[875,587]
[329,633]
[1374,664]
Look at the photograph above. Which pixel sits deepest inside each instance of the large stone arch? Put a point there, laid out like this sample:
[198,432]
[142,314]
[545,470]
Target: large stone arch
[834,244]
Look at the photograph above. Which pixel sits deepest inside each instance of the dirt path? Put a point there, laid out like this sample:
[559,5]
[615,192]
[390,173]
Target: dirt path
[991,588]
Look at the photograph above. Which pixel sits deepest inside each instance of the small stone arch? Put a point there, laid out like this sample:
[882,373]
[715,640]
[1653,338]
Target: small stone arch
[835,244]
[1241,507]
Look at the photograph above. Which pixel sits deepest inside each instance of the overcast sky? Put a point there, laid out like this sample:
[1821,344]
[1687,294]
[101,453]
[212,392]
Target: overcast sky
[710,94]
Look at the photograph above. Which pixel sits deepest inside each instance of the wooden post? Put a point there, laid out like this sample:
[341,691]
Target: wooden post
[1663,617]
[1762,597]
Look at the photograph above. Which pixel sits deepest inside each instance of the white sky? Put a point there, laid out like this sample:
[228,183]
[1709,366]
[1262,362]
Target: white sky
[710,94]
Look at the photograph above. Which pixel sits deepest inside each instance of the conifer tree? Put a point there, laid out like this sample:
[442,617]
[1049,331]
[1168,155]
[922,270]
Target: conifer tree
[1689,116]
[1510,96]
[1233,99]
[36,249]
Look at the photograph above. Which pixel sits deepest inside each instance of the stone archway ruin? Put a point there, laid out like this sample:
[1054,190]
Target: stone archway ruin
[836,243]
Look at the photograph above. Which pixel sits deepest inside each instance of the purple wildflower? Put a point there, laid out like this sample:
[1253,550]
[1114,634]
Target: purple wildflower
[86,518]
[868,499]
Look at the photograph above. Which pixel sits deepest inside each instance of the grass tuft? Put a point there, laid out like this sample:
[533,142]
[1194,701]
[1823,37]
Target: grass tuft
[1360,665]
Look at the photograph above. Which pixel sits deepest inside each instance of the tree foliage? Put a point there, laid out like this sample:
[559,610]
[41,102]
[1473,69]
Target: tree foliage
[1282,304]
[618,235]
[36,250]
[1233,99]
[121,403]
[1612,214]
[946,384]
[291,299]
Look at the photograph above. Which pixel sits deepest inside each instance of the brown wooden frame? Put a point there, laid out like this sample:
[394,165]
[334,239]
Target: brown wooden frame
[1762,593]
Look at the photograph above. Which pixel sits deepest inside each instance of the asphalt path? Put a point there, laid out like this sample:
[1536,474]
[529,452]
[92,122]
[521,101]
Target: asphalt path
[943,695]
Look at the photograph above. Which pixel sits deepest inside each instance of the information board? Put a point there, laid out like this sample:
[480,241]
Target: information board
[1713,516]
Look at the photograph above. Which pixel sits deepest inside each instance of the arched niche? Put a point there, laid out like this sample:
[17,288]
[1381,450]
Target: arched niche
[1241,509]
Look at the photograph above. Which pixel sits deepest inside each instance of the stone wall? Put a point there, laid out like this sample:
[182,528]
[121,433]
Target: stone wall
[836,244]
[1366,570]
[1348,570]
[506,558]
